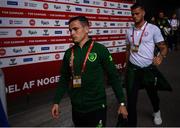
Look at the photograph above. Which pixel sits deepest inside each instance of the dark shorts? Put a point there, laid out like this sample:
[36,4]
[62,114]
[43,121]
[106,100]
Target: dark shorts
[90,119]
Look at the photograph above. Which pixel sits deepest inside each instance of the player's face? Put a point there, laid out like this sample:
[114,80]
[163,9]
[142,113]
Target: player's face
[138,15]
[77,31]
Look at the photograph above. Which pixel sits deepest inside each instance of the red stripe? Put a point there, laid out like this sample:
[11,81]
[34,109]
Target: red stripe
[24,41]
[26,13]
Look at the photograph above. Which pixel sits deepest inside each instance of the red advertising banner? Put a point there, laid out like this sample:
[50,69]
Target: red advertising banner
[34,35]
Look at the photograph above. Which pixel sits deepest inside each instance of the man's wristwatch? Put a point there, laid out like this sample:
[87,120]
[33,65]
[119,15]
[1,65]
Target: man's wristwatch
[122,104]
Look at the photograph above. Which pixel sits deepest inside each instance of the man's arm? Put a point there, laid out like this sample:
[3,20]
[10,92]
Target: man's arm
[162,54]
[115,81]
[61,87]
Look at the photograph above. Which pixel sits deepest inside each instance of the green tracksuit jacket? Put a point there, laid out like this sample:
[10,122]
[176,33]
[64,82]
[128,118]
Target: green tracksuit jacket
[91,95]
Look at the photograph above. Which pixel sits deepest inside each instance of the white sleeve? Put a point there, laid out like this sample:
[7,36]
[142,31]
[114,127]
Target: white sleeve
[157,37]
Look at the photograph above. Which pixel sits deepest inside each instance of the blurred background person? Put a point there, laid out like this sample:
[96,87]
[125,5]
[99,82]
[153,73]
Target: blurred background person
[153,20]
[174,22]
[165,27]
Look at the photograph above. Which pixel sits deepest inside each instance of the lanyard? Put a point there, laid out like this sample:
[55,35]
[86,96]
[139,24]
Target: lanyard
[140,36]
[85,60]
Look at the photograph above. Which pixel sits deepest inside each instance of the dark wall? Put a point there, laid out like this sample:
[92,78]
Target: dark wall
[154,6]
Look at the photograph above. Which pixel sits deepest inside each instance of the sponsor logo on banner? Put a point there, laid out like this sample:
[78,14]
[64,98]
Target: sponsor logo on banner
[105,3]
[119,42]
[77,1]
[44,22]
[2,51]
[97,24]
[98,10]
[57,7]
[28,4]
[12,61]
[3,33]
[112,12]
[25,3]
[120,24]
[32,22]
[114,31]
[112,4]
[105,24]
[125,6]
[18,32]
[106,11]
[68,32]
[57,56]
[96,3]
[119,5]
[27,59]
[97,31]
[31,49]
[12,2]
[78,9]
[66,23]
[43,57]
[105,31]
[86,1]
[45,6]
[15,22]
[58,32]
[112,24]
[17,50]
[117,50]
[127,24]
[59,48]
[89,10]
[57,23]
[68,8]
[45,48]
[10,21]
[32,32]
[119,12]
[127,13]
[124,49]
[45,32]
[121,31]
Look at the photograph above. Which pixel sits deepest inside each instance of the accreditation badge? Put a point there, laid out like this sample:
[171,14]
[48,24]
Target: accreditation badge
[135,48]
[76,81]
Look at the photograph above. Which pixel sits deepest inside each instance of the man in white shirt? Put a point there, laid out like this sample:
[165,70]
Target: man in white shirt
[141,41]
[174,22]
